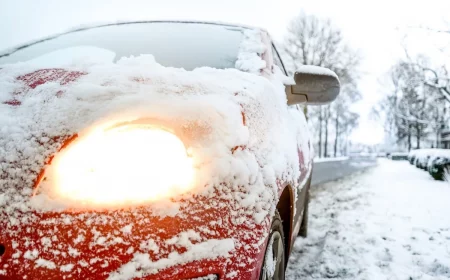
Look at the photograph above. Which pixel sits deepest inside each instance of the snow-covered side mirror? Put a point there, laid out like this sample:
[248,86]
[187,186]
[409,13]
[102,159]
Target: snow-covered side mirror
[313,85]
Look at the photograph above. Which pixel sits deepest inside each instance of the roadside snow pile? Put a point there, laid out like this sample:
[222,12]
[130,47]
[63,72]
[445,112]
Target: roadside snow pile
[236,127]
[389,223]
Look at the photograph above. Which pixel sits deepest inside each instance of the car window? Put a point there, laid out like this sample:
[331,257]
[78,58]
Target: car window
[174,44]
[277,60]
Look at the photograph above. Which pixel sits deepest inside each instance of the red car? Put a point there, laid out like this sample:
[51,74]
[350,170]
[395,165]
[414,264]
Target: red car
[154,150]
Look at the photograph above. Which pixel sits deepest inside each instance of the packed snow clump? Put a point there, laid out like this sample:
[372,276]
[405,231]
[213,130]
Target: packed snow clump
[249,58]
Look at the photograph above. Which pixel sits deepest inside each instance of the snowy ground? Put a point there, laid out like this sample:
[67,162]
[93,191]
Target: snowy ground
[391,222]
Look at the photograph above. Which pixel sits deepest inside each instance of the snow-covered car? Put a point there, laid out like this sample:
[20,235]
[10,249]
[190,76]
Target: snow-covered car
[154,150]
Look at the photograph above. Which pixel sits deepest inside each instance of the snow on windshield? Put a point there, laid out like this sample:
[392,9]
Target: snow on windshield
[74,56]
[252,48]
[173,44]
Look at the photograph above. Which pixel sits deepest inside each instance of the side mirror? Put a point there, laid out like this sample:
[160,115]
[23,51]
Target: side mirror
[313,85]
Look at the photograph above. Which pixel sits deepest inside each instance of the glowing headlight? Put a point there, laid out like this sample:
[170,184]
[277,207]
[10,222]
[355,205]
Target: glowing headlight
[127,164]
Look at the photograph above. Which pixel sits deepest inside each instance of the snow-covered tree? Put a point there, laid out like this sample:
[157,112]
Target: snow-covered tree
[409,108]
[315,41]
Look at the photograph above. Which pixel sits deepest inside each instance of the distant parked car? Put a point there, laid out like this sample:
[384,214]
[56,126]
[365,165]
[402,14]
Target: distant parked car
[398,156]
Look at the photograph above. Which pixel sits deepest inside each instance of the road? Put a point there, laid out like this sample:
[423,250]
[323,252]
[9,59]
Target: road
[332,170]
[390,222]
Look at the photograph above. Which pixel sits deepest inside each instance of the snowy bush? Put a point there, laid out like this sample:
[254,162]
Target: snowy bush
[439,168]
[435,161]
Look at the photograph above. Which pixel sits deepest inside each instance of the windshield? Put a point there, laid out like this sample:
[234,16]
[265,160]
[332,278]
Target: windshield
[173,44]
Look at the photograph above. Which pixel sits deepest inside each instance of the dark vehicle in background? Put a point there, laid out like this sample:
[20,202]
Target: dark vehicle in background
[398,156]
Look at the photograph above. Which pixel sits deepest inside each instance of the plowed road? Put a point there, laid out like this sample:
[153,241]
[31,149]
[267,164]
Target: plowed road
[326,171]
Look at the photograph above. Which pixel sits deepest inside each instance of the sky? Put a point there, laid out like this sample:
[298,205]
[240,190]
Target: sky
[376,28]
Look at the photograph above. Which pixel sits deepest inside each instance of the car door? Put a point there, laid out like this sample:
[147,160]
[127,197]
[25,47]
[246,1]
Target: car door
[304,152]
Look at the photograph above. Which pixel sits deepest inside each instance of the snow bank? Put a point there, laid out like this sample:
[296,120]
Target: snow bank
[236,126]
[330,159]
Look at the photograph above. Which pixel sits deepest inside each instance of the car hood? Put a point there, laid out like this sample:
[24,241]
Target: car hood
[236,125]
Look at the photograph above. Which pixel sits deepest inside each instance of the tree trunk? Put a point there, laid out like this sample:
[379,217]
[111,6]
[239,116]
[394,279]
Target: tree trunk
[418,136]
[438,137]
[327,117]
[347,144]
[320,131]
[337,135]
[409,137]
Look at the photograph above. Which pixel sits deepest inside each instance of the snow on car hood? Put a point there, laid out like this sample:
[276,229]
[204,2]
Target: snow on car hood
[241,134]
[238,121]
